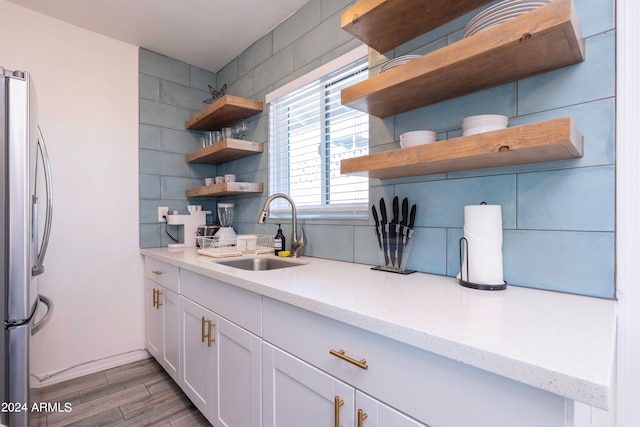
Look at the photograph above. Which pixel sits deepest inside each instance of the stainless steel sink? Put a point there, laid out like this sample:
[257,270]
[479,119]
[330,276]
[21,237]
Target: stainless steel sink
[259,264]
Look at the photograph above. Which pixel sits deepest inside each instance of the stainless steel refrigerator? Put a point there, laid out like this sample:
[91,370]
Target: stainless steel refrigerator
[26,208]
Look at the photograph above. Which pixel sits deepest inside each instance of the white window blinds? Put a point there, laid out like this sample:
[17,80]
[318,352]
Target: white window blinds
[310,133]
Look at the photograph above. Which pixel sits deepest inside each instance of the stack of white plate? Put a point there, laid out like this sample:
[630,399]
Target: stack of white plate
[501,12]
[417,137]
[485,123]
[395,62]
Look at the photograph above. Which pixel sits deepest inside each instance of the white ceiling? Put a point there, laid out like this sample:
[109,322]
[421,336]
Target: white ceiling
[205,33]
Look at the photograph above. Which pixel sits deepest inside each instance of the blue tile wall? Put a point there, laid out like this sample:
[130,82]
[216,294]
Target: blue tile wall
[170,92]
[558,217]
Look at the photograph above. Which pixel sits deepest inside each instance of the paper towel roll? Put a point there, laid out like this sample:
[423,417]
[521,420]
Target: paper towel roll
[483,249]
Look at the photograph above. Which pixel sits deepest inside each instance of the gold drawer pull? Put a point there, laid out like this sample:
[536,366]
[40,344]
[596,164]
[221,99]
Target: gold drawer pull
[337,403]
[210,335]
[156,272]
[361,417]
[207,334]
[156,297]
[362,364]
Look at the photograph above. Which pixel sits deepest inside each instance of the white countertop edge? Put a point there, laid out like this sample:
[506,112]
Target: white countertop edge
[595,389]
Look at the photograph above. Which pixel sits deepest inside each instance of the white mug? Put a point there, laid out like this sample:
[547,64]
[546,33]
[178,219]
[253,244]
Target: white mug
[209,181]
[219,179]
[230,177]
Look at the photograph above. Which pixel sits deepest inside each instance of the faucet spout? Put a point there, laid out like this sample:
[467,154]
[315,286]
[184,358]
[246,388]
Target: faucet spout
[296,244]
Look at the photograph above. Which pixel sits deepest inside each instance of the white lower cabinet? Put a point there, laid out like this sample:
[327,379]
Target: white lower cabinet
[154,316]
[199,356]
[221,372]
[297,394]
[238,377]
[246,361]
[423,385]
[373,413]
[163,339]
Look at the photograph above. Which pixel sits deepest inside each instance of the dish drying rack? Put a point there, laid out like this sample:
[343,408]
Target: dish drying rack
[220,247]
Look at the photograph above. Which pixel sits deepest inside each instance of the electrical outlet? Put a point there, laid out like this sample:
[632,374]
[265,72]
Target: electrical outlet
[162,212]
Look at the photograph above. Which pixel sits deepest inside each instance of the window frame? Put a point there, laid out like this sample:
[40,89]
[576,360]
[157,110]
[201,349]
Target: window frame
[339,211]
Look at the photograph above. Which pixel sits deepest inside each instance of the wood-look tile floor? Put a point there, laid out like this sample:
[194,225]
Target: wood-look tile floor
[136,394]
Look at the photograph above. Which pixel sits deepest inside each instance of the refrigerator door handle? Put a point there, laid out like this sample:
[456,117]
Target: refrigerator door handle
[38,268]
[40,323]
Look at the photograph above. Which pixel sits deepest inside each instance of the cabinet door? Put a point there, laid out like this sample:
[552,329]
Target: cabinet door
[171,322]
[238,393]
[198,355]
[373,413]
[154,333]
[297,394]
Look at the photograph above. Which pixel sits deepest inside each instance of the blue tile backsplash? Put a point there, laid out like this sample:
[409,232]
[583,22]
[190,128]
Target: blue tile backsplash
[170,92]
[558,217]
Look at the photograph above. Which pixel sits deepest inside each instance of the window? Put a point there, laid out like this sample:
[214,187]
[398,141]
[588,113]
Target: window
[310,133]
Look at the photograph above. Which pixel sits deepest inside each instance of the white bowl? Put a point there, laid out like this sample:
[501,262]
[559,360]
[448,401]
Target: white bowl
[418,137]
[484,120]
[483,123]
[481,129]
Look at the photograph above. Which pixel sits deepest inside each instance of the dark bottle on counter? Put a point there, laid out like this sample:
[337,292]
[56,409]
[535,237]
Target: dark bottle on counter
[278,241]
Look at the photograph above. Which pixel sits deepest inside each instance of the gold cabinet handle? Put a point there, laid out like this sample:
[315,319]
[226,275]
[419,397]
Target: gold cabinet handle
[361,417]
[210,335]
[337,403]
[156,298]
[156,272]
[207,334]
[362,364]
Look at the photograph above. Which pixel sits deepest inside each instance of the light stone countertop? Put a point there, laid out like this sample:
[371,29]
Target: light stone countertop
[558,342]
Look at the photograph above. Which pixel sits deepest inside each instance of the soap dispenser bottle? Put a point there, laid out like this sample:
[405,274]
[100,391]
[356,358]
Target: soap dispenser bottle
[278,241]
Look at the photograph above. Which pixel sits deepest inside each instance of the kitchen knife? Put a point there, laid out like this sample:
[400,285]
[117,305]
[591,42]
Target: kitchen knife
[412,217]
[384,230]
[383,211]
[393,231]
[403,229]
[405,212]
[377,220]
[395,219]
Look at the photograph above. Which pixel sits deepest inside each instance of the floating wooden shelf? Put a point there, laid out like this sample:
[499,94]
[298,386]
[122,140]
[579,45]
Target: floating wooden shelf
[385,24]
[225,189]
[538,142]
[223,112]
[224,151]
[541,40]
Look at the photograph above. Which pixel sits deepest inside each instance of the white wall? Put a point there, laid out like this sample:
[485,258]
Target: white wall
[87,87]
[628,212]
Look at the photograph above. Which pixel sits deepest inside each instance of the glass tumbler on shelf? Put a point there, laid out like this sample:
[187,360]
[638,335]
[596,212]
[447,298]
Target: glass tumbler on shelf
[240,129]
[226,133]
[209,137]
[217,136]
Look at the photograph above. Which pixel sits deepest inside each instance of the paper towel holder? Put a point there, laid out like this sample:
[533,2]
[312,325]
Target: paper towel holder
[467,284]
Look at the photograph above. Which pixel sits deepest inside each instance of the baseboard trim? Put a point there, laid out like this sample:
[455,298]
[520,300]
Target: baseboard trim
[90,367]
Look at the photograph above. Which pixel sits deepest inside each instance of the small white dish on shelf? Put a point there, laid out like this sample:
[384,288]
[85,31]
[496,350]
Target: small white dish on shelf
[483,123]
[418,137]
